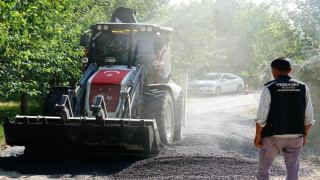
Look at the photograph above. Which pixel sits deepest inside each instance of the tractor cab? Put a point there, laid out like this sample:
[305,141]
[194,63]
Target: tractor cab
[131,45]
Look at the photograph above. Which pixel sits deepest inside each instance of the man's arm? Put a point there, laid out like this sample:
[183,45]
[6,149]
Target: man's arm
[309,116]
[262,115]
[306,129]
[257,139]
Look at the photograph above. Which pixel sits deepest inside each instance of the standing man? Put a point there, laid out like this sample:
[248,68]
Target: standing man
[284,117]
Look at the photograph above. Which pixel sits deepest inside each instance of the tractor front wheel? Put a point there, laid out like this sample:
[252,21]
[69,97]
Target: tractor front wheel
[159,105]
[178,117]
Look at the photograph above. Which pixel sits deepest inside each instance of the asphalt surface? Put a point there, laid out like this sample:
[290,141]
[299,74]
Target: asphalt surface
[217,144]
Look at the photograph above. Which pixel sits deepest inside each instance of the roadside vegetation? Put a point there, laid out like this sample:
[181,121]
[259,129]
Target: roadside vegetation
[310,73]
[39,42]
[11,108]
[39,45]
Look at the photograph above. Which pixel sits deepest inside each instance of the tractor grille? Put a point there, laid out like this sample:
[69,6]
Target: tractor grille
[110,94]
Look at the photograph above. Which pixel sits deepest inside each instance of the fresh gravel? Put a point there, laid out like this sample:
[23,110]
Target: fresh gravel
[217,144]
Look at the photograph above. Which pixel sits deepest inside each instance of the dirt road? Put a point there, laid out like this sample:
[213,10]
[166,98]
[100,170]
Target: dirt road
[217,144]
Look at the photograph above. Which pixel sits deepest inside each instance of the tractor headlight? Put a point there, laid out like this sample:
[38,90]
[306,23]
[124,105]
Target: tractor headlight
[99,27]
[105,27]
[149,29]
[143,29]
[110,60]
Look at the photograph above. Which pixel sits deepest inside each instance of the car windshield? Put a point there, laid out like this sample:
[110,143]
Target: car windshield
[212,77]
[116,45]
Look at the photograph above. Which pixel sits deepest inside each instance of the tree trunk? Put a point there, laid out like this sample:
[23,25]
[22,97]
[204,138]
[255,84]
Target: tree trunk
[24,104]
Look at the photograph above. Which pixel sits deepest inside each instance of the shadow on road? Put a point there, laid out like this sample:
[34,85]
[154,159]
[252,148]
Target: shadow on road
[58,164]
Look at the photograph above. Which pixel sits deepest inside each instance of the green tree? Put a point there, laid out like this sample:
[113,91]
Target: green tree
[226,35]
[269,35]
[304,16]
[39,44]
[194,40]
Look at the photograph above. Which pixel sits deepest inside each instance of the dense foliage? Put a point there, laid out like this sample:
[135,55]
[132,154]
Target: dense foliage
[39,40]
[239,37]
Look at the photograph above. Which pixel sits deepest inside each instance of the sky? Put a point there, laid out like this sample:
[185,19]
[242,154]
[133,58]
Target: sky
[186,1]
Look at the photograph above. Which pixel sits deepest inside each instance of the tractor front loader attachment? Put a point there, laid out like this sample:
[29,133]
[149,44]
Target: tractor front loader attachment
[66,131]
[83,134]
[94,134]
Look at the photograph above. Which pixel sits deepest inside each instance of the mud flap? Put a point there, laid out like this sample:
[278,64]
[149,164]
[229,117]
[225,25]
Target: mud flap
[84,134]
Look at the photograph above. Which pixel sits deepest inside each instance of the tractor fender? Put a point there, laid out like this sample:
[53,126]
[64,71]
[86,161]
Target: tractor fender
[173,88]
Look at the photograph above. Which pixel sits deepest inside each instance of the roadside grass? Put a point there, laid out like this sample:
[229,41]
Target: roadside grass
[1,135]
[11,108]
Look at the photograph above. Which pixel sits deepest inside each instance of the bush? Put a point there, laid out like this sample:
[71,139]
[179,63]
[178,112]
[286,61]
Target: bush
[11,108]
[310,73]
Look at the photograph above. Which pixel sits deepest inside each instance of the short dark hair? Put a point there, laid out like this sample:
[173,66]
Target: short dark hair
[281,63]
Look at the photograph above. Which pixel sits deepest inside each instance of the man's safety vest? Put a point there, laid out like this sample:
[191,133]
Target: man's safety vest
[287,108]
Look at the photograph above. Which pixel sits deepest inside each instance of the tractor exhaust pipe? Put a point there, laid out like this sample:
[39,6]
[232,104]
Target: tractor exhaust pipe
[130,47]
[91,69]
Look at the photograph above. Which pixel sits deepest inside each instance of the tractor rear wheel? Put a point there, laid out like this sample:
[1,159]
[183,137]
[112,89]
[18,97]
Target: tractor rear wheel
[159,105]
[178,118]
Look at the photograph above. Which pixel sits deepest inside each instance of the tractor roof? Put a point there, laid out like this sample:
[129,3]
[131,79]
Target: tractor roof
[126,27]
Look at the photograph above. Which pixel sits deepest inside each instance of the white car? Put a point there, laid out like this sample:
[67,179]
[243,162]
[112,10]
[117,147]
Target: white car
[216,83]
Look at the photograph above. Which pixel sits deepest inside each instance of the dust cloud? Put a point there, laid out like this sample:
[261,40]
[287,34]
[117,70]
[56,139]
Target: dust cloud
[240,37]
[310,73]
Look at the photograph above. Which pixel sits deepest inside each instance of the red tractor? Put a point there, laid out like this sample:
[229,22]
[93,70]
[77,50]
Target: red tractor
[125,100]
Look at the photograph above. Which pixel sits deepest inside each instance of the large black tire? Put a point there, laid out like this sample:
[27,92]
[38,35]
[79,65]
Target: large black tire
[178,118]
[159,105]
[51,100]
